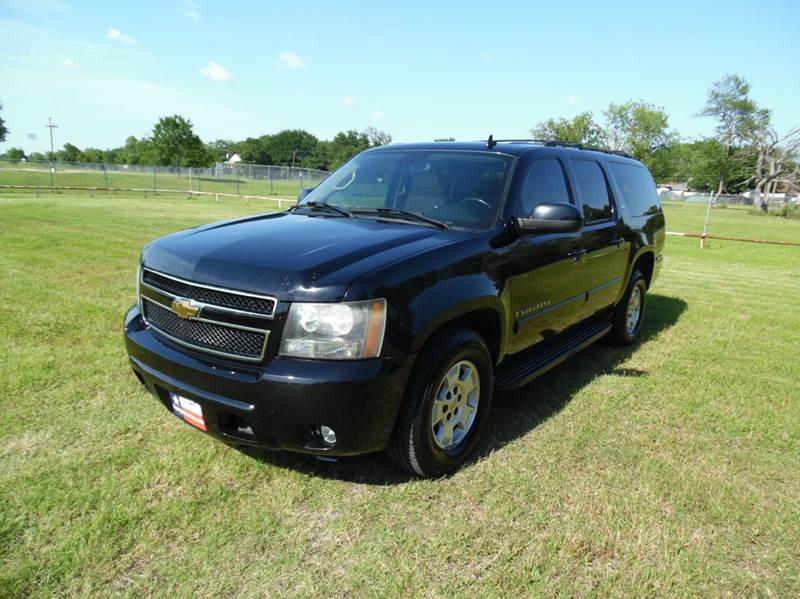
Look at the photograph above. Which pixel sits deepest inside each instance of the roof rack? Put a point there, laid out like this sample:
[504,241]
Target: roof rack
[557,143]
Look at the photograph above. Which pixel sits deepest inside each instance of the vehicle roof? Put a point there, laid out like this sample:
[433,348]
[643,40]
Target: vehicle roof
[512,148]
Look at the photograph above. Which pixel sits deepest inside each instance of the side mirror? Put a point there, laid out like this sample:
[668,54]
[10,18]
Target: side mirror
[551,218]
[304,192]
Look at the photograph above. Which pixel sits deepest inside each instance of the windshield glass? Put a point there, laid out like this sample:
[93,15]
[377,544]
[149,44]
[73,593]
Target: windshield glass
[459,188]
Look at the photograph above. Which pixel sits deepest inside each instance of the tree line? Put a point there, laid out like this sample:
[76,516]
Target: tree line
[173,142]
[746,151]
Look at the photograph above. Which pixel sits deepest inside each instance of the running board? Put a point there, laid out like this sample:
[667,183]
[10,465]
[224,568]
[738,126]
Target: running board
[520,369]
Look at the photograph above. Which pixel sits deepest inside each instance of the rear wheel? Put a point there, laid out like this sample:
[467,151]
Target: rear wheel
[446,404]
[629,313]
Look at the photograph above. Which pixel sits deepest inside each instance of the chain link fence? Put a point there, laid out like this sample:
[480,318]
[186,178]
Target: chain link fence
[726,199]
[252,180]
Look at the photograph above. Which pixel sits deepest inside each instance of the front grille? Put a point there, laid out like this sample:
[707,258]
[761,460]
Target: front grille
[216,338]
[209,295]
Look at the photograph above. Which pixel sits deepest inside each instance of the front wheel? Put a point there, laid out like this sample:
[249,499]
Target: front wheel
[446,404]
[629,313]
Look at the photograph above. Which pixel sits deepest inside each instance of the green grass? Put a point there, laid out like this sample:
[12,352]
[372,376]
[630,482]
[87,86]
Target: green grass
[37,174]
[668,469]
[734,221]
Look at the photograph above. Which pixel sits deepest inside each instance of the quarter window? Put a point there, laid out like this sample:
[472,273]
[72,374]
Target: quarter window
[593,188]
[638,188]
[545,183]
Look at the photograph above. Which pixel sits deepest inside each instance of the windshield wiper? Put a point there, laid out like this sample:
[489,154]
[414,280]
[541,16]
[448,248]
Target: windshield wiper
[406,214]
[321,206]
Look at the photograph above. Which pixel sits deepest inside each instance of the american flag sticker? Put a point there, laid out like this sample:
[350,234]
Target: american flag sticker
[187,410]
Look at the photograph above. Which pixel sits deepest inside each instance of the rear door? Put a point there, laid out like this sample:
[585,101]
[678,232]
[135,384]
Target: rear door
[606,249]
[546,271]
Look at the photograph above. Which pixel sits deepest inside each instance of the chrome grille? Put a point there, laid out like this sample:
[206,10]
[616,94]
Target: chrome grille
[235,300]
[217,327]
[204,335]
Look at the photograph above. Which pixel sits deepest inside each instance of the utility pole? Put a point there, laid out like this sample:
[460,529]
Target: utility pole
[51,125]
[294,152]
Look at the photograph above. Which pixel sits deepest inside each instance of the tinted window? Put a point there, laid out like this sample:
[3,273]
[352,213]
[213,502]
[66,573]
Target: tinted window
[637,186]
[545,183]
[594,190]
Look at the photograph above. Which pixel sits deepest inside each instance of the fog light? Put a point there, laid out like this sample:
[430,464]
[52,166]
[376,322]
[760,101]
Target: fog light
[327,435]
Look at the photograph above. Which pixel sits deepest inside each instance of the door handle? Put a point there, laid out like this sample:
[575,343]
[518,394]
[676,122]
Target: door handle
[576,254]
[618,241]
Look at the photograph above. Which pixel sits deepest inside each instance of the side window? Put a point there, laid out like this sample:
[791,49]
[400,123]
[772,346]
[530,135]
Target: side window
[545,183]
[593,190]
[638,188]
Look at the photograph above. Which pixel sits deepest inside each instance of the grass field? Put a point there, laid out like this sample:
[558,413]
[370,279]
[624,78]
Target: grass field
[38,174]
[668,469]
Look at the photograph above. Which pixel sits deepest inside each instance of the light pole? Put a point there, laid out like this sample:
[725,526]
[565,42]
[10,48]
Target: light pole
[294,152]
[51,125]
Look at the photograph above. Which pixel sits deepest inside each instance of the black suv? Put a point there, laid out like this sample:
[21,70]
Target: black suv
[383,310]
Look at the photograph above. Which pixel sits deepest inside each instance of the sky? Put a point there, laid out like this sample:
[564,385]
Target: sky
[417,70]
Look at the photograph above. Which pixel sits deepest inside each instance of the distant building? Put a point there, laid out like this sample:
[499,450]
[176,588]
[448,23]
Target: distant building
[231,160]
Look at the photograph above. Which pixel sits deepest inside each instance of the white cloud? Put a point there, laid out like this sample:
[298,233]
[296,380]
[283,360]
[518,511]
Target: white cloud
[116,34]
[290,60]
[573,100]
[68,63]
[349,101]
[377,114]
[216,72]
[192,10]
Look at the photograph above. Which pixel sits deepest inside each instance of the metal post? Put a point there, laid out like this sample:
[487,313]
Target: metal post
[190,180]
[105,178]
[154,178]
[708,219]
[237,182]
[269,174]
[51,125]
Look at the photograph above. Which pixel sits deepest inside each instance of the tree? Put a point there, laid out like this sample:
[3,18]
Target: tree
[220,149]
[68,153]
[376,137]
[3,128]
[582,130]
[176,144]
[699,164]
[739,120]
[98,156]
[15,154]
[137,151]
[291,146]
[637,128]
[253,150]
[775,164]
[345,145]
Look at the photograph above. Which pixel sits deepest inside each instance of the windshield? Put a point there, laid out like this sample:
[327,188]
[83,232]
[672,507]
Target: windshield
[463,189]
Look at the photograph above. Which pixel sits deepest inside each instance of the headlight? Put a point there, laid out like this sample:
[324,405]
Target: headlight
[343,331]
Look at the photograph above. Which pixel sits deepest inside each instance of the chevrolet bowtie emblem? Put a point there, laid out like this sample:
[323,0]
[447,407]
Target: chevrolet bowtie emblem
[185,308]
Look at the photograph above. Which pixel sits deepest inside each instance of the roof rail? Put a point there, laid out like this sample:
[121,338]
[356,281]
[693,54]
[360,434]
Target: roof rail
[559,143]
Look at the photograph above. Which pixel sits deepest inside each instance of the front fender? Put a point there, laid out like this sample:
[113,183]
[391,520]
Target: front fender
[450,299]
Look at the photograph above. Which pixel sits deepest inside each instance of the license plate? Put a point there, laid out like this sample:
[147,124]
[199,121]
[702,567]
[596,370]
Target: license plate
[188,410]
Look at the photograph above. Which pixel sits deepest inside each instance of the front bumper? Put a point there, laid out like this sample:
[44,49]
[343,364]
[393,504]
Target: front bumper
[279,405]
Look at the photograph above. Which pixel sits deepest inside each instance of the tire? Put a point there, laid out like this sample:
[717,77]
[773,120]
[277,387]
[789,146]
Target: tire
[420,438]
[625,331]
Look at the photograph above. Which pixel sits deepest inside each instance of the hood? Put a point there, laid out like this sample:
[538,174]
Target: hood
[291,256]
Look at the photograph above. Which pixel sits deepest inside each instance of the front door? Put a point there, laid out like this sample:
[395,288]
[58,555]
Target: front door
[546,271]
